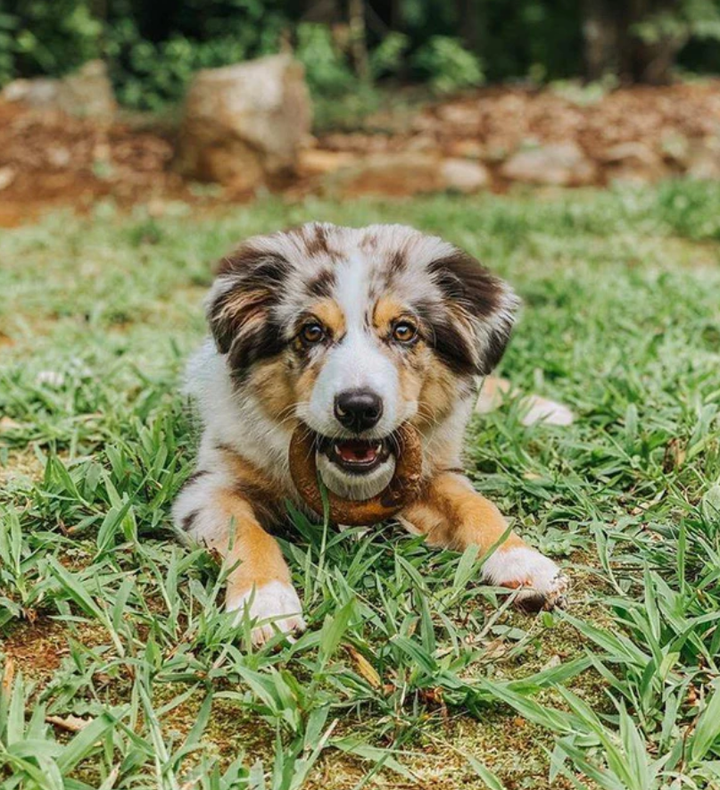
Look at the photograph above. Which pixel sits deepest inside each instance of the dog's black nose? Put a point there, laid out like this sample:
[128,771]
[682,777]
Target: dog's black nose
[358,410]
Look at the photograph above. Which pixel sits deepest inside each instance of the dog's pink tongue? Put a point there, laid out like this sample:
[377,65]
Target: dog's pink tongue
[356,451]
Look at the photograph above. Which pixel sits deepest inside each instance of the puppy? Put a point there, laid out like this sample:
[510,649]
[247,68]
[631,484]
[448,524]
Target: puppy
[351,333]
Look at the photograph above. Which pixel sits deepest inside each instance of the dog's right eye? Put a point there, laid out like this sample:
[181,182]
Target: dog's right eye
[312,333]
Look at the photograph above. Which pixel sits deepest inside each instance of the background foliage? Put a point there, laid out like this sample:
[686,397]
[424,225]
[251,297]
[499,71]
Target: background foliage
[154,48]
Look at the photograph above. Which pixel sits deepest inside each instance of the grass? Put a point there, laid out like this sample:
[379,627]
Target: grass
[412,673]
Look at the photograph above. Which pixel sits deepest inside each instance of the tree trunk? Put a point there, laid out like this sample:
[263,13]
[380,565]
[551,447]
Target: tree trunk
[468,28]
[613,46]
[358,39]
[601,33]
[652,62]
[397,17]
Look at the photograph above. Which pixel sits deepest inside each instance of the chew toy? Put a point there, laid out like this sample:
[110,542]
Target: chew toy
[402,489]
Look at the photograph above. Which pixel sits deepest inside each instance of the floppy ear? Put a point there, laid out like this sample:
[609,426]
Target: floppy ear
[479,314]
[239,307]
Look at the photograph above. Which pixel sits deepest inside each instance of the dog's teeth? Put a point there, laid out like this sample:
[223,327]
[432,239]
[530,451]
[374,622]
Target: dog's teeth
[378,447]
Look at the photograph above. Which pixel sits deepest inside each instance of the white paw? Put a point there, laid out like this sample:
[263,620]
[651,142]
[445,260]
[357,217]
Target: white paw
[543,583]
[275,607]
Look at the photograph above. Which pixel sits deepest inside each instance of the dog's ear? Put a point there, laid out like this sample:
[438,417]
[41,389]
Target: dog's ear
[479,313]
[239,307]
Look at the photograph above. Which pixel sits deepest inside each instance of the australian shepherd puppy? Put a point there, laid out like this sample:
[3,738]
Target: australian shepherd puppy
[350,333]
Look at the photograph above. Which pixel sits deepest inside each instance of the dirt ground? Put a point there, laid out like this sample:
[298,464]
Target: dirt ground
[50,160]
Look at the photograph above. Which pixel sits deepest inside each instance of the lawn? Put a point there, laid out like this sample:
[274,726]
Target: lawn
[119,668]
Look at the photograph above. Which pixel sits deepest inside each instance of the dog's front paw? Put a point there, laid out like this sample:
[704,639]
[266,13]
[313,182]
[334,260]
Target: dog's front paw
[274,607]
[542,583]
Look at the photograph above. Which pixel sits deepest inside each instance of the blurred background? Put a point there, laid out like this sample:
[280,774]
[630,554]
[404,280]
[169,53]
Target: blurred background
[207,100]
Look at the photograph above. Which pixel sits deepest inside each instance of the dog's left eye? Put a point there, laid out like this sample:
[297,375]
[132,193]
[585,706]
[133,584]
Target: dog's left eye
[312,333]
[404,332]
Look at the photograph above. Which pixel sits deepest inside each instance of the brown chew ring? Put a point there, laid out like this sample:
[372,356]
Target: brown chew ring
[403,488]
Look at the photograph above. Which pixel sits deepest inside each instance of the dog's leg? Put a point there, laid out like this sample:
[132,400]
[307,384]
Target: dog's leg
[453,515]
[213,510]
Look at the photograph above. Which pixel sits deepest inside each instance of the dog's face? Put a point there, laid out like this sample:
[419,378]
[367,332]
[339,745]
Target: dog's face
[353,332]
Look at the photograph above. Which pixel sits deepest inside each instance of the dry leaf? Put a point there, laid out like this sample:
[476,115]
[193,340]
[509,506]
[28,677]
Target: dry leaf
[8,676]
[365,668]
[674,456]
[70,723]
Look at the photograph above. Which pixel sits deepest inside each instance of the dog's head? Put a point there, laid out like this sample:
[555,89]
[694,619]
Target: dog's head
[353,332]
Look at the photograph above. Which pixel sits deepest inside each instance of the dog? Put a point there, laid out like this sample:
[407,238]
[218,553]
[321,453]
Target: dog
[350,333]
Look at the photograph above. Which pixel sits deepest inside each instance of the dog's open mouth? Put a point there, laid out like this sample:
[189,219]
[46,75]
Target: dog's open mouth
[356,468]
[357,456]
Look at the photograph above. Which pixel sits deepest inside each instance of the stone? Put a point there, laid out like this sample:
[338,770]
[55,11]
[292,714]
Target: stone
[421,142]
[634,162]
[553,164]
[7,176]
[58,156]
[675,146]
[704,159]
[467,149]
[397,175]
[407,173]
[245,122]
[495,391]
[314,161]
[463,175]
[87,92]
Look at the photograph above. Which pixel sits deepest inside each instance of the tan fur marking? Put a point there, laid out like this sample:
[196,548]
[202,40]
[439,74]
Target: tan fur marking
[438,393]
[249,303]
[387,309]
[244,471]
[329,312]
[305,383]
[453,515]
[255,554]
[411,382]
[273,385]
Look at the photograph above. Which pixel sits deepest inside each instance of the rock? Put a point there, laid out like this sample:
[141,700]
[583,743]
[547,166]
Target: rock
[463,175]
[495,391]
[549,412]
[398,175]
[314,161]
[58,156]
[421,142]
[634,162]
[407,173]
[245,122]
[87,92]
[462,118]
[7,176]
[467,149]
[554,164]
[675,146]
[40,92]
[632,151]
[704,159]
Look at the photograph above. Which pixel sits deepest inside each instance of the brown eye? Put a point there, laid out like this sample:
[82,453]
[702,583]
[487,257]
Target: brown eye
[312,333]
[404,332]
